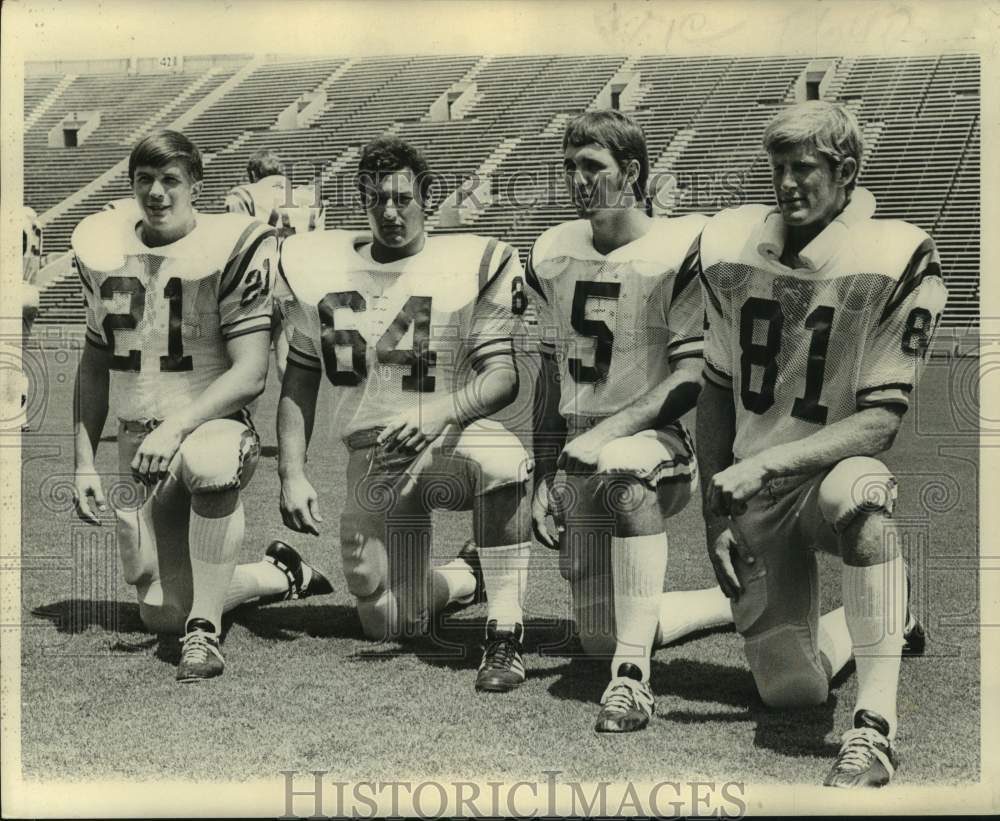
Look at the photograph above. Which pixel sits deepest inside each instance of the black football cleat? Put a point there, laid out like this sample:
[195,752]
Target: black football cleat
[914,635]
[627,703]
[501,669]
[201,657]
[866,757]
[287,559]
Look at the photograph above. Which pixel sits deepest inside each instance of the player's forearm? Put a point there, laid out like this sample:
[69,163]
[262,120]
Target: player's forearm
[491,390]
[242,383]
[715,433]
[90,405]
[549,426]
[865,433]
[664,403]
[296,416]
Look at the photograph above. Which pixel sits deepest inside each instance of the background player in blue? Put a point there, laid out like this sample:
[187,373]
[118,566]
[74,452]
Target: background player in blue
[820,319]
[620,318]
[178,314]
[416,336]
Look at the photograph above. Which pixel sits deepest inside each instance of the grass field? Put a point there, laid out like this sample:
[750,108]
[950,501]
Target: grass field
[303,690]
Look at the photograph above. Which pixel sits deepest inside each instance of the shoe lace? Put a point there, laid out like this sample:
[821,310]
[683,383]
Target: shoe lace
[624,694]
[499,654]
[858,748]
[197,646]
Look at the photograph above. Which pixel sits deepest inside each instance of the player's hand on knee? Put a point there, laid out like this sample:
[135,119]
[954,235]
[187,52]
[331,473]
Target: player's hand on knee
[300,506]
[88,496]
[541,508]
[721,552]
[155,453]
[415,430]
[581,454]
[730,489]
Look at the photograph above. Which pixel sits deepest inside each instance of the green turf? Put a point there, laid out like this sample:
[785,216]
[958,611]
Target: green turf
[303,689]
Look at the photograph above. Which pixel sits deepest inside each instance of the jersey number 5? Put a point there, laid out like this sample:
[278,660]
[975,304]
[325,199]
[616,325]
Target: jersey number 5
[174,360]
[604,337]
[416,312]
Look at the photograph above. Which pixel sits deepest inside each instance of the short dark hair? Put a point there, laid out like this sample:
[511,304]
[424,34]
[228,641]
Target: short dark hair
[387,155]
[165,147]
[263,163]
[618,133]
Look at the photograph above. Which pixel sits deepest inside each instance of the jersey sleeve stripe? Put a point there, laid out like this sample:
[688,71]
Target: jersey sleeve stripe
[243,330]
[243,321]
[95,339]
[484,264]
[693,353]
[905,387]
[478,361]
[84,280]
[708,290]
[886,399]
[717,376]
[531,277]
[922,264]
[686,341]
[503,340]
[248,205]
[302,366]
[689,270]
[303,360]
[240,262]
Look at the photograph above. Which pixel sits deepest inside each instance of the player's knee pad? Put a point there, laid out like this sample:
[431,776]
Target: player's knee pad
[856,485]
[626,469]
[364,562]
[629,455]
[786,667]
[219,455]
[498,459]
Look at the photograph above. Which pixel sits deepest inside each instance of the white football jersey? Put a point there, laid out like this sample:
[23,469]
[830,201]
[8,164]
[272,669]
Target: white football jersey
[274,201]
[166,313]
[805,347]
[616,322]
[389,334]
[31,244]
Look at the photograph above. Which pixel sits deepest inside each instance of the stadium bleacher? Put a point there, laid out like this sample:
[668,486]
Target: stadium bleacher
[703,118]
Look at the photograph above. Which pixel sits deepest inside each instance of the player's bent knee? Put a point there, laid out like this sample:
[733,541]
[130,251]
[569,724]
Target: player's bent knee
[786,668]
[220,455]
[501,462]
[627,455]
[856,486]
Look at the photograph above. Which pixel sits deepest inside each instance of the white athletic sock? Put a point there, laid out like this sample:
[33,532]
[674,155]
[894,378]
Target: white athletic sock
[251,581]
[453,582]
[835,644]
[505,574]
[215,545]
[684,611]
[638,567]
[875,610]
